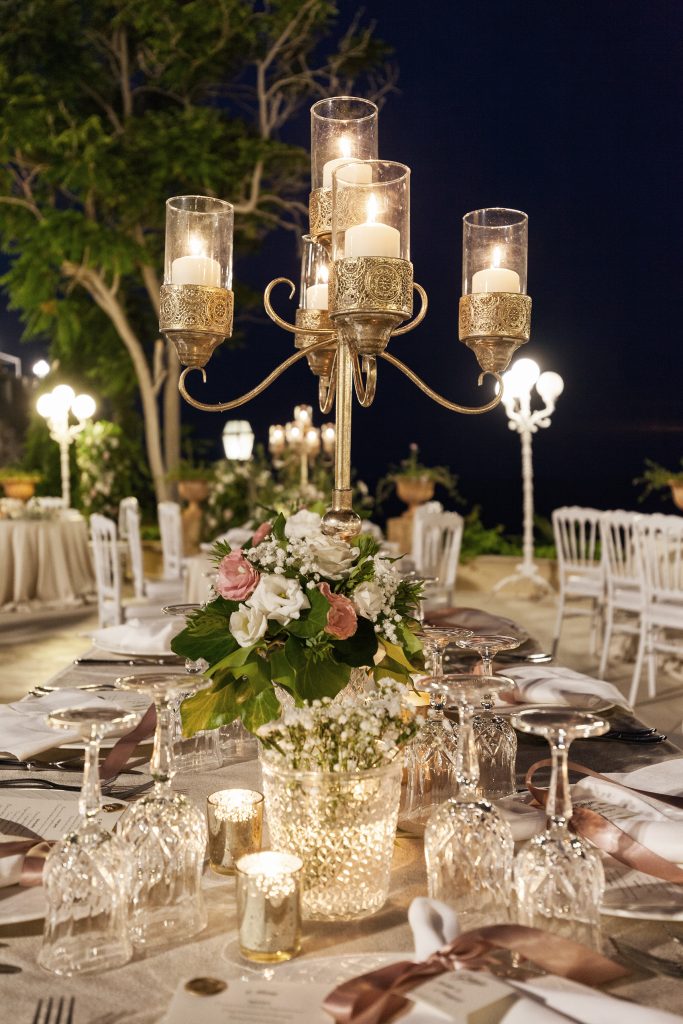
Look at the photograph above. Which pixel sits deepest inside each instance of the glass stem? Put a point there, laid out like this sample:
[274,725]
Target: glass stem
[559,806]
[437,661]
[487,663]
[466,758]
[90,799]
[161,764]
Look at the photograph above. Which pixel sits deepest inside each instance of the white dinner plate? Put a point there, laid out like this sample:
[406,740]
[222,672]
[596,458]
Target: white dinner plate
[329,970]
[111,647]
[630,893]
[19,904]
[582,702]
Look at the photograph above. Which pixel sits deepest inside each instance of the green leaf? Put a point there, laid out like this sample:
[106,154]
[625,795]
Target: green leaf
[360,649]
[312,622]
[212,648]
[209,709]
[391,669]
[396,654]
[366,544]
[315,678]
[411,643]
[261,708]
[236,659]
[278,530]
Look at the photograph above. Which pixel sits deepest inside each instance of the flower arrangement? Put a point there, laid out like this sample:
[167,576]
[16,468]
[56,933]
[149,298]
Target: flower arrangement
[298,610]
[344,736]
[105,463]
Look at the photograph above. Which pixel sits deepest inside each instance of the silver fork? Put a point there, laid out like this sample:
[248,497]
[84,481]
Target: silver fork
[54,1011]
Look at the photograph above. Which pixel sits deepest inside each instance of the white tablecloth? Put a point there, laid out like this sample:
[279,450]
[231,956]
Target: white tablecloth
[197,582]
[44,562]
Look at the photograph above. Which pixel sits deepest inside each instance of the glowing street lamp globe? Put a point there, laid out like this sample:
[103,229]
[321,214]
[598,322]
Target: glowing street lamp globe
[238,440]
[41,368]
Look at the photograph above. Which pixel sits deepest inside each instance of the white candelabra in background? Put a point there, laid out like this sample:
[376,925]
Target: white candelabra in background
[303,438]
[55,407]
[238,440]
[517,386]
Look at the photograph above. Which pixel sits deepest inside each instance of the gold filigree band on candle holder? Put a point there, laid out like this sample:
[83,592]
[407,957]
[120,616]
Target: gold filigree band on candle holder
[320,361]
[494,325]
[320,213]
[371,284]
[197,318]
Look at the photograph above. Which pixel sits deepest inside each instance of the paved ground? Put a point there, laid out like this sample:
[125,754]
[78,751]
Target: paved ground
[33,647]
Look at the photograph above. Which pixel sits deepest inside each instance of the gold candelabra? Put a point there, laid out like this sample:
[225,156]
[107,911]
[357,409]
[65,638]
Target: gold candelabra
[302,437]
[356,284]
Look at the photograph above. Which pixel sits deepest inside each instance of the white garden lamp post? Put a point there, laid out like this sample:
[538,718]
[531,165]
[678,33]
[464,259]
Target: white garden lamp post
[238,440]
[518,383]
[55,407]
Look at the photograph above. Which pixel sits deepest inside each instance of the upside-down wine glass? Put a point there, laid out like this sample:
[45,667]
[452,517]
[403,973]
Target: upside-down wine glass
[558,878]
[496,739]
[166,834]
[468,844]
[87,874]
[430,758]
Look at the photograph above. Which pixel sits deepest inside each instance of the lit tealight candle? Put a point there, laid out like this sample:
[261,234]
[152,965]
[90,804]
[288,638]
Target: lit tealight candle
[317,294]
[354,174]
[371,238]
[269,906]
[495,278]
[235,821]
[198,268]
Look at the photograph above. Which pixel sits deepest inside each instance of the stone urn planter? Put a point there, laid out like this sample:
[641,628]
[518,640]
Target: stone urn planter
[414,491]
[677,493]
[194,492]
[19,487]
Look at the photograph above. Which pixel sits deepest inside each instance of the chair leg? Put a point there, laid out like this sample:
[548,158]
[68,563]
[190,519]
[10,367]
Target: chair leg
[609,622]
[652,662]
[558,625]
[637,671]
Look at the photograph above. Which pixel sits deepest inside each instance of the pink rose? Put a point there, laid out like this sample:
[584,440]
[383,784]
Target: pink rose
[341,618]
[237,578]
[261,534]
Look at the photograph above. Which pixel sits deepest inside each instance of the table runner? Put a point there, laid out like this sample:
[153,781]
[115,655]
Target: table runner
[140,992]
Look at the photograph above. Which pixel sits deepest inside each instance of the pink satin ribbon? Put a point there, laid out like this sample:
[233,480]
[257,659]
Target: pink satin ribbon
[35,851]
[376,997]
[605,834]
[123,749]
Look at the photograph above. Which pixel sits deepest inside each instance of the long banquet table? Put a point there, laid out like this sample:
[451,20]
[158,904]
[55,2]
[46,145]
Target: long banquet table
[140,992]
[45,562]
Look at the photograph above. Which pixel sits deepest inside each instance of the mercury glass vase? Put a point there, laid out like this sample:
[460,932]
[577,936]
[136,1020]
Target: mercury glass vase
[342,825]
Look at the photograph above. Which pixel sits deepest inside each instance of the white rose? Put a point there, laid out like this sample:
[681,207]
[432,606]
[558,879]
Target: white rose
[302,525]
[332,557]
[248,625]
[368,599]
[279,599]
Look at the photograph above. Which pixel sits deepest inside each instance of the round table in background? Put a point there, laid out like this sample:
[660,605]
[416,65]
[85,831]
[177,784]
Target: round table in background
[45,562]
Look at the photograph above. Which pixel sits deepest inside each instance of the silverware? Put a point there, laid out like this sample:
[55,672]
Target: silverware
[167,659]
[10,969]
[113,789]
[52,1011]
[648,961]
[42,691]
[71,764]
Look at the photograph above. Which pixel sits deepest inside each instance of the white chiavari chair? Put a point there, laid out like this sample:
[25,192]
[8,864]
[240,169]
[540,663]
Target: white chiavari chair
[624,596]
[579,566]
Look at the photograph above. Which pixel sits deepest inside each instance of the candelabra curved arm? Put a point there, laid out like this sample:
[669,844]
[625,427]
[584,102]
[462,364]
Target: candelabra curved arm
[365,392]
[327,389]
[419,317]
[255,392]
[326,332]
[436,397]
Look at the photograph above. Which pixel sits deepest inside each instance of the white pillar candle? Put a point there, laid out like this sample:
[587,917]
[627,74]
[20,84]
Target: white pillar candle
[317,296]
[354,173]
[196,270]
[495,279]
[372,239]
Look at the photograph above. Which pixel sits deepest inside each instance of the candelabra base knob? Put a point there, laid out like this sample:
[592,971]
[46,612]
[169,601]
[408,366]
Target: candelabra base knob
[194,348]
[493,354]
[367,333]
[342,523]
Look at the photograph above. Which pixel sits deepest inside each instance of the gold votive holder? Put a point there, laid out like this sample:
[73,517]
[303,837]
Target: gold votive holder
[269,905]
[235,820]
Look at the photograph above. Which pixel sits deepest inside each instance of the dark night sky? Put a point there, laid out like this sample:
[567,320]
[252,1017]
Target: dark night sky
[571,111]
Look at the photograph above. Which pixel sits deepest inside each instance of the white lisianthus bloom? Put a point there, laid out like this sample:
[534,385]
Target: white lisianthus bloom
[279,599]
[332,557]
[368,599]
[302,525]
[248,625]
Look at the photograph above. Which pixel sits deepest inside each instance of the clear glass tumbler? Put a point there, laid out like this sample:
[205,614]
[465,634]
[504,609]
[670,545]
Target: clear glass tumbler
[165,834]
[87,874]
[468,845]
[558,877]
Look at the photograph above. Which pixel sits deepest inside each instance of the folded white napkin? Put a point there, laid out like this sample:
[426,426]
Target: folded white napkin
[140,636]
[552,684]
[10,867]
[665,777]
[434,925]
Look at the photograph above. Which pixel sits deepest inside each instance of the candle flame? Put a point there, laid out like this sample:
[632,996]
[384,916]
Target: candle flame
[196,246]
[496,256]
[344,146]
[323,275]
[372,208]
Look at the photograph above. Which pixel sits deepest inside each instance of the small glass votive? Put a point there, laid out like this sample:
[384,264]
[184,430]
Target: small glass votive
[235,820]
[269,905]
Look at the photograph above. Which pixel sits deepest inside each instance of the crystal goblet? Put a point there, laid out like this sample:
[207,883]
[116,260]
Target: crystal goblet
[165,833]
[468,844]
[558,878]
[495,737]
[87,874]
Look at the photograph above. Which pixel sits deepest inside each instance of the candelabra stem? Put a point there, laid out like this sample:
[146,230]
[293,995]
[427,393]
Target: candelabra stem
[341,520]
[303,477]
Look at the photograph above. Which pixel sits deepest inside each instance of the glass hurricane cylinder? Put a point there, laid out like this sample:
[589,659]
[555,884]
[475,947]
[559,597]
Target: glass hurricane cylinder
[342,128]
[371,214]
[342,825]
[494,251]
[198,241]
[315,274]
